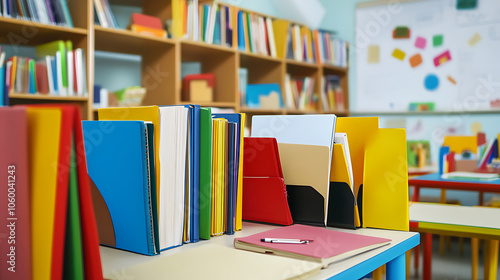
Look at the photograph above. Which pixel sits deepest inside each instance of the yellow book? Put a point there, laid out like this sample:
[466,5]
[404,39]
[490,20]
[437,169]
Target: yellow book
[44,126]
[359,131]
[222,174]
[305,32]
[215,152]
[234,13]
[239,198]
[385,189]
[13,74]
[177,21]
[458,144]
[280,28]
[144,113]
[145,30]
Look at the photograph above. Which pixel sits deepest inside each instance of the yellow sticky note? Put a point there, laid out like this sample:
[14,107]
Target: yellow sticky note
[399,54]
[373,54]
[476,38]
[385,188]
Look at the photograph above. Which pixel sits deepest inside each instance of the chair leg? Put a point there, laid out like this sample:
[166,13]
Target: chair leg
[461,244]
[417,257]
[490,259]
[475,257]
[377,274]
[408,263]
[427,266]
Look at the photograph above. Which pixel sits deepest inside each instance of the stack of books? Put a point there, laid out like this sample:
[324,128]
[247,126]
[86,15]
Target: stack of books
[300,93]
[57,70]
[179,172]
[48,12]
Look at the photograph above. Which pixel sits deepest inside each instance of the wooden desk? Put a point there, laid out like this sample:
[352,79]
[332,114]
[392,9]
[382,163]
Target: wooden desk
[353,268]
[435,181]
[462,221]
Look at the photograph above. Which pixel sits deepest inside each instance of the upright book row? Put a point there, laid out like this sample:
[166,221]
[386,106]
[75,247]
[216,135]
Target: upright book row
[43,11]
[221,24]
[57,70]
[48,225]
[164,176]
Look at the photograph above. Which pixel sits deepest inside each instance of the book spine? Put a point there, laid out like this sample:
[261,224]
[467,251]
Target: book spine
[147,192]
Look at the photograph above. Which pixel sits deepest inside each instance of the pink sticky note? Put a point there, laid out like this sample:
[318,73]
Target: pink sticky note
[442,58]
[420,42]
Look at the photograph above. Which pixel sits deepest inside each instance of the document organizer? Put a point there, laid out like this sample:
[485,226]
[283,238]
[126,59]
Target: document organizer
[264,192]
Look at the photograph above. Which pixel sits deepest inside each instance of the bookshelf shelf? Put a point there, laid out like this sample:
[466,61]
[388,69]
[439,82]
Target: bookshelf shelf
[126,41]
[262,111]
[245,55]
[300,112]
[47,97]
[212,104]
[189,44]
[332,68]
[297,64]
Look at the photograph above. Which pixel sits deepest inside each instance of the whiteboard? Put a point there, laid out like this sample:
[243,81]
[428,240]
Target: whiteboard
[466,78]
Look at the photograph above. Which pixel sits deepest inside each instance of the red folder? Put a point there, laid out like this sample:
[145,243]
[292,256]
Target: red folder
[264,191]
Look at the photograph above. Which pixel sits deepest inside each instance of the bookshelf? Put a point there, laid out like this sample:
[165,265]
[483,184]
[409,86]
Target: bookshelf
[161,59]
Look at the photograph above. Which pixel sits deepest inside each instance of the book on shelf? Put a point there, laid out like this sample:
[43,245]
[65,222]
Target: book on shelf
[57,70]
[147,25]
[330,49]
[54,12]
[332,94]
[299,92]
[320,245]
[103,15]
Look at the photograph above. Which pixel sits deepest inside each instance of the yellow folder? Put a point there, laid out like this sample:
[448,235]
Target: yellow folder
[219,175]
[458,144]
[385,190]
[144,113]
[359,133]
[239,198]
[44,126]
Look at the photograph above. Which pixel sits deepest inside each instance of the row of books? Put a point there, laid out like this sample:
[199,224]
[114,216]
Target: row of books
[332,94]
[179,169]
[227,25]
[300,93]
[103,15]
[46,204]
[44,11]
[57,70]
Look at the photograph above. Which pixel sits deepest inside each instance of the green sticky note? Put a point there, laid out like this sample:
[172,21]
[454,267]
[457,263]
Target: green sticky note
[466,4]
[437,40]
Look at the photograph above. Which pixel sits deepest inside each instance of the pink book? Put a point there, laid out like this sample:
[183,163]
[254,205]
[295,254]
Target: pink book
[319,244]
[15,231]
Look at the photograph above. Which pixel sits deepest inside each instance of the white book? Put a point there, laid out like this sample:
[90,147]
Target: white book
[42,12]
[211,23]
[324,97]
[196,32]
[288,92]
[321,47]
[262,31]
[70,71]
[4,8]
[298,45]
[190,26]
[79,71]
[62,90]
[101,14]
[2,59]
[270,37]
[48,61]
[341,138]
[104,98]
[173,153]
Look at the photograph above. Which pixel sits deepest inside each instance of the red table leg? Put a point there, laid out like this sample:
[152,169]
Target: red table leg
[427,240]
[416,194]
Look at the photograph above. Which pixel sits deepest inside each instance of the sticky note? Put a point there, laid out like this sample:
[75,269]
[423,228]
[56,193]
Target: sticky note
[442,58]
[452,80]
[431,82]
[399,54]
[474,39]
[466,4]
[437,40]
[415,60]
[401,32]
[420,42]
[373,54]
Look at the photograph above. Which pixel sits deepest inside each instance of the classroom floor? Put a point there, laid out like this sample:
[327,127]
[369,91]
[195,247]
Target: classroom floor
[452,265]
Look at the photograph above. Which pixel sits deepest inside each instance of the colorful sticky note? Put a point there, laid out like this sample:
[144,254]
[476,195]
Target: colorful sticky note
[466,4]
[426,106]
[373,54]
[401,32]
[420,42]
[442,58]
[399,54]
[431,82]
[415,60]
[437,40]
[452,80]
[474,39]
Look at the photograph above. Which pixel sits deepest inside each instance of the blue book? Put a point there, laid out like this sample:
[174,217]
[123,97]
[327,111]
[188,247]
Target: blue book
[206,13]
[118,164]
[443,151]
[241,32]
[217,35]
[2,85]
[54,74]
[229,30]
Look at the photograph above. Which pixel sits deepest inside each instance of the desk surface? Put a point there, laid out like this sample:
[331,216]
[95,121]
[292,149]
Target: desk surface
[480,222]
[353,268]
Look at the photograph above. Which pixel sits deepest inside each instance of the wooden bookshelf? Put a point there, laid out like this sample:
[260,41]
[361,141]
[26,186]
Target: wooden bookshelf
[161,59]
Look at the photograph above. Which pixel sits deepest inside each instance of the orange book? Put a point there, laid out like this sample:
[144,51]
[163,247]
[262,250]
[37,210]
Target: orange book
[234,14]
[148,31]
[316,46]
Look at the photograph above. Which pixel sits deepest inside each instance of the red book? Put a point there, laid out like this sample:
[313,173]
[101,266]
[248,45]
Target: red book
[15,232]
[450,158]
[145,20]
[42,78]
[264,190]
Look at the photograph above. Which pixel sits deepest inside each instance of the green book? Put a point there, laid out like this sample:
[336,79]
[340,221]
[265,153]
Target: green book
[249,26]
[205,172]
[152,181]
[73,251]
[50,49]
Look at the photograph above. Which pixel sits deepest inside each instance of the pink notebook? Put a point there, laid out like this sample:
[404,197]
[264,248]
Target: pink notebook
[326,246]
